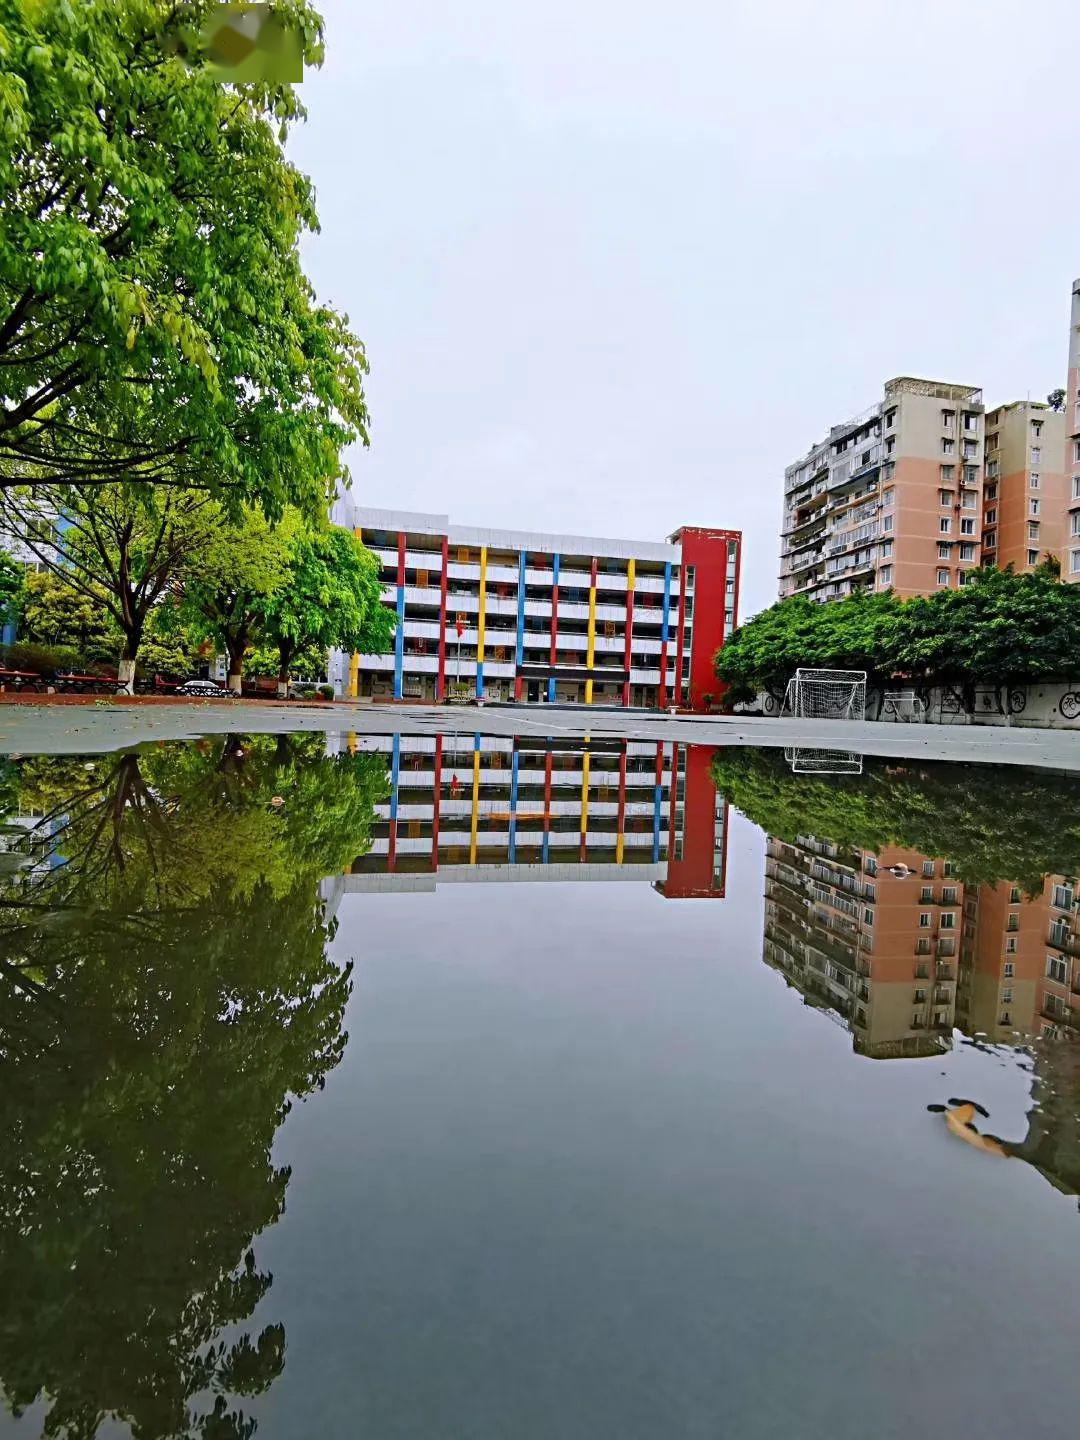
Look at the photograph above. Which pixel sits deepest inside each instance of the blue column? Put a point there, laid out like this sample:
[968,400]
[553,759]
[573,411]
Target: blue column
[551,681]
[513,806]
[520,626]
[399,643]
[395,771]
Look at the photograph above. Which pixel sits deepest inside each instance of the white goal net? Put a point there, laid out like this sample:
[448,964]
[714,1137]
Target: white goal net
[826,695]
[823,762]
[903,705]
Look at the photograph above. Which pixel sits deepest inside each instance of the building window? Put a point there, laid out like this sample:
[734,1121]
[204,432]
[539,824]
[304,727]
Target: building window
[943,577]
[1036,428]
[1033,557]
[967,551]
[991,517]
[945,497]
[990,541]
[948,419]
[1033,480]
[890,418]
[888,523]
[948,920]
[1008,970]
[885,575]
[945,524]
[924,920]
[1036,454]
[1034,506]
[888,496]
[990,492]
[887,548]
[1057,969]
[967,527]
[948,472]
[971,449]
[1076,487]
[1074,562]
[1075,522]
[1033,529]
[943,550]
[948,447]
[971,421]
[928,869]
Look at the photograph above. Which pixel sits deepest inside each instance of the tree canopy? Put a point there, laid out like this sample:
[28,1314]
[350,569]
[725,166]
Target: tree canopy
[330,597]
[155,322]
[1000,629]
[167,994]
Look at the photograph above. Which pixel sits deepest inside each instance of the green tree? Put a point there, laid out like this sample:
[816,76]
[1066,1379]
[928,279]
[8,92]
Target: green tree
[54,613]
[155,321]
[331,597]
[120,548]
[168,995]
[228,582]
[1056,399]
[12,587]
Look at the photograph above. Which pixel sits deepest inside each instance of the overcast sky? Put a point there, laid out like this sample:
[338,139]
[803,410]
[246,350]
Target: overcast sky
[617,263]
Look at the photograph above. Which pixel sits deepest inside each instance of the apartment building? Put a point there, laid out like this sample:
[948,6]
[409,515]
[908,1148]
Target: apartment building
[1020,961]
[871,940]
[488,808]
[1070,564]
[1025,494]
[530,616]
[890,499]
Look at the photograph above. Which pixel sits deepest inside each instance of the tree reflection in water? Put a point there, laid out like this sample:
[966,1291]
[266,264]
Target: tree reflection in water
[165,994]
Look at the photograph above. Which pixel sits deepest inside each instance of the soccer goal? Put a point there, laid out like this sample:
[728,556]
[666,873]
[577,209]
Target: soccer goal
[903,705]
[823,762]
[826,695]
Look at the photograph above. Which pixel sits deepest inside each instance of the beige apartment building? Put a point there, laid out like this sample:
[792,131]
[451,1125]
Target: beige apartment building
[1025,496]
[1070,562]
[890,499]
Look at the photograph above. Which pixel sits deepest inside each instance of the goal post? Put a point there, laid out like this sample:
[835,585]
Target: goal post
[816,694]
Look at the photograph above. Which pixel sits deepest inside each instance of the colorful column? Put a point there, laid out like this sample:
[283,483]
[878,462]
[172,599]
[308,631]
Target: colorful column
[591,654]
[352,689]
[554,632]
[584,802]
[436,802]
[475,820]
[631,571]
[658,800]
[395,775]
[513,805]
[520,654]
[621,826]
[440,681]
[665,634]
[480,625]
[399,638]
[546,849]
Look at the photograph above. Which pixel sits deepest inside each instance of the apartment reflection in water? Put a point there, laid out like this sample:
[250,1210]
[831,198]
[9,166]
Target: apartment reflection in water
[894,947]
[486,808]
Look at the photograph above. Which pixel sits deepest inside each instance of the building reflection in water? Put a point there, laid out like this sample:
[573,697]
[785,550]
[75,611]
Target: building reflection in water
[477,807]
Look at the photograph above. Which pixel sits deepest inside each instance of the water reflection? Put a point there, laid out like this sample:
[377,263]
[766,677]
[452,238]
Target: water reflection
[165,995]
[485,808]
[916,900]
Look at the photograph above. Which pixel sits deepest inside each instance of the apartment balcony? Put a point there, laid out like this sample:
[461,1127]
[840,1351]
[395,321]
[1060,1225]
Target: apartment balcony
[1061,937]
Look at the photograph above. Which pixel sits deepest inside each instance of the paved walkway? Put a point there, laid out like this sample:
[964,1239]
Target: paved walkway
[111,725]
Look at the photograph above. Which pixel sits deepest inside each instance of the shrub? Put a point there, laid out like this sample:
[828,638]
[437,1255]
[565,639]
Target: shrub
[326,691]
[46,659]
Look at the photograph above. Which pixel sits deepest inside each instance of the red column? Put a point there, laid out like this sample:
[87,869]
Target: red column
[673,801]
[440,682]
[629,643]
[436,799]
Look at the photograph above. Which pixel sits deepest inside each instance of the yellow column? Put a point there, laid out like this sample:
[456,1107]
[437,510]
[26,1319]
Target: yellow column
[475,805]
[592,643]
[480,624]
[352,690]
[585,793]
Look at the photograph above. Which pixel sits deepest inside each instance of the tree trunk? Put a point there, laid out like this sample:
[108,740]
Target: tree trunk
[125,672]
[236,648]
[285,656]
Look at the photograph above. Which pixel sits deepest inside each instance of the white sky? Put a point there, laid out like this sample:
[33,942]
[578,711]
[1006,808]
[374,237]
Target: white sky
[617,263]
